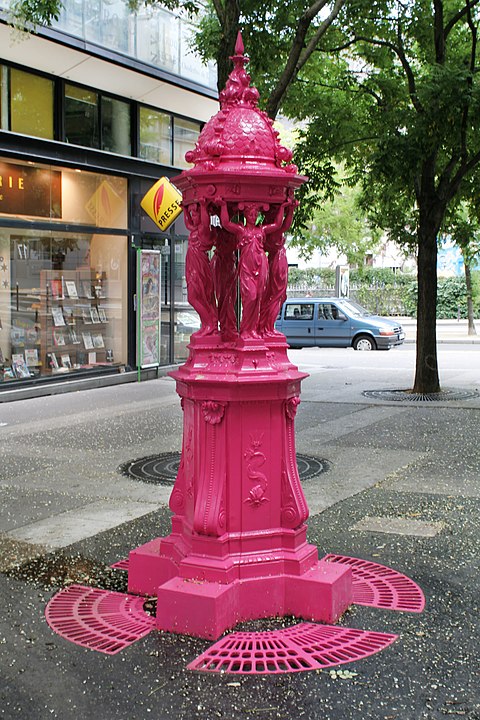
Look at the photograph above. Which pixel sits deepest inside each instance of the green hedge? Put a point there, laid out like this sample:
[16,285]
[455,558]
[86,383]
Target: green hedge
[387,293]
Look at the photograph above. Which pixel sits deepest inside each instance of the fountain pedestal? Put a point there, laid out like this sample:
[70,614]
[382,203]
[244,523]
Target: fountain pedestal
[238,548]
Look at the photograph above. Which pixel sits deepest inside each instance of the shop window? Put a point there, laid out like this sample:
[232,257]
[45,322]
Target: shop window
[185,135]
[63,303]
[116,126]
[81,116]
[31,104]
[155,136]
[185,320]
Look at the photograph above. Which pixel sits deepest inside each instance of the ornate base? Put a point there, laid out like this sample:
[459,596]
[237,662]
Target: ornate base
[237,549]
[206,609]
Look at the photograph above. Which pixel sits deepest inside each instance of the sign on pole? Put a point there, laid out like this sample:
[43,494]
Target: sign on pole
[162,203]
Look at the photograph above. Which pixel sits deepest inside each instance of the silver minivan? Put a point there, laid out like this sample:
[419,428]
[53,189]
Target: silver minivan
[336,322]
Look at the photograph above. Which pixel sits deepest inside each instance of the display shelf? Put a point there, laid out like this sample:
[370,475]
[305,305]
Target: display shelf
[74,320]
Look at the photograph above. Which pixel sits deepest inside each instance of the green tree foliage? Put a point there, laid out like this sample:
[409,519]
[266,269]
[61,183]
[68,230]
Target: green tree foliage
[405,119]
[390,88]
[463,225]
[339,223]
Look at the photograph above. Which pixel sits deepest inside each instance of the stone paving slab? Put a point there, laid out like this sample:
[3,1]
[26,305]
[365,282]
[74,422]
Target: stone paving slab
[398,526]
[69,527]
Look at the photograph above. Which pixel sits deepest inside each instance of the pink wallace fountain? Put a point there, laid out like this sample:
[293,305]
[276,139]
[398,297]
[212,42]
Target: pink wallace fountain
[237,549]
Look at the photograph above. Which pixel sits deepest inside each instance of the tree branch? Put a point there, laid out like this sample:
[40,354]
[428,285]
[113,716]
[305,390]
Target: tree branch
[299,55]
[458,16]
[466,109]
[220,10]
[438,32]
[399,52]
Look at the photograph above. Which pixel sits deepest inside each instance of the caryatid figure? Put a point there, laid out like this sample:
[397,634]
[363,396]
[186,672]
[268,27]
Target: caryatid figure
[253,264]
[276,289]
[198,270]
[225,279]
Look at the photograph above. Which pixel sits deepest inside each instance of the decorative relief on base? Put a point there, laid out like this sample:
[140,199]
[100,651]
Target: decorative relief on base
[255,460]
[213,412]
[294,505]
[211,472]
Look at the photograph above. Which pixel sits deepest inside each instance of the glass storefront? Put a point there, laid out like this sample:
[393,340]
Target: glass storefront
[63,294]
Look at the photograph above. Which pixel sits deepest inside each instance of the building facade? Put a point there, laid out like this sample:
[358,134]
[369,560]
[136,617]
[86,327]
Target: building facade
[92,112]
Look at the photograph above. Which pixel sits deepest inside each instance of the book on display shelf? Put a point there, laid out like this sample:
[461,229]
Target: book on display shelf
[31,357]
[56,286]
[94,315]
[86,317]
[58,337]
[58,318]
[74,339]
[69,315]
[20,366]
[87,291]
[87,341]
[97,339]
[102,315]
[52,361]
[71,289]
[66,362]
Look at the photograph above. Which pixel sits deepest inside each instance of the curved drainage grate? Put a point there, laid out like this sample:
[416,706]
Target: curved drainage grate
[306,646]
[407,395]
[98,619]
[381,587]
[162,469]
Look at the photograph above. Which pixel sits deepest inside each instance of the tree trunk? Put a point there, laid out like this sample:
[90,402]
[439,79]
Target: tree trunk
[468,282]
[230,24]
[426,372]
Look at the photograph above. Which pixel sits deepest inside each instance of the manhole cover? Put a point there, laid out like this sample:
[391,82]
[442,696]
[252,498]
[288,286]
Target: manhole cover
[408,396]
[162,469]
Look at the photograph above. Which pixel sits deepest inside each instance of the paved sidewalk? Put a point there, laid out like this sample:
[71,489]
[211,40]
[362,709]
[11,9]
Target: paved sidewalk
[448,331]
[402,489]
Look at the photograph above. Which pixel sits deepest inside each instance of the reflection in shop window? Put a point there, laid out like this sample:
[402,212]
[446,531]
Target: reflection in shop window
[81,116]
[31,104]
[116,126]
[155,136]
[185,135]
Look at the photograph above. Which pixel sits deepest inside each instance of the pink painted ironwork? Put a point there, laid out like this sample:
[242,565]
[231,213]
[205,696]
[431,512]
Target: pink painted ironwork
[238,548]
[120,564]
[305,646]
[98,619]
[380,586]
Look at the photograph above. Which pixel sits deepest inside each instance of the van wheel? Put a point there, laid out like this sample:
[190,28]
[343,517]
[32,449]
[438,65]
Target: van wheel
[364,342]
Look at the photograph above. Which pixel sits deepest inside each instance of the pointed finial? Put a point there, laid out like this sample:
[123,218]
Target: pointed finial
[239,47]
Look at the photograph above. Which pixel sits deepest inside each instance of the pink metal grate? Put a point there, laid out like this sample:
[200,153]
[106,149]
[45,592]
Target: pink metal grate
[120,565]
[306,646]
[380,586]
[98,619]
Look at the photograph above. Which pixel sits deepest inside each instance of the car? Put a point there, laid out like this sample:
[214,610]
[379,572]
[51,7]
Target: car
[187,322]
[336,322]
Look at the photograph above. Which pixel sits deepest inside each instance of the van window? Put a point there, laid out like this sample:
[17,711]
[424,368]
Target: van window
[299,311]
[327,311]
